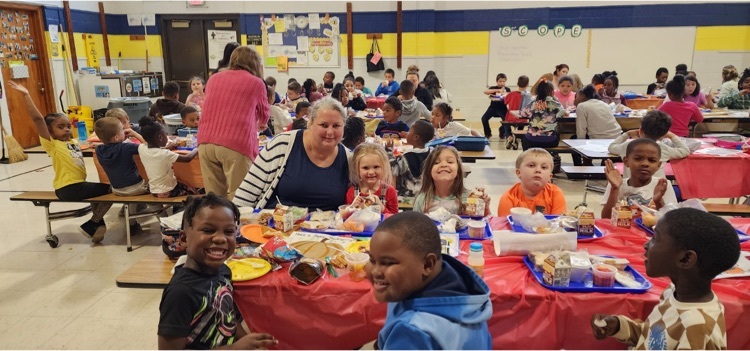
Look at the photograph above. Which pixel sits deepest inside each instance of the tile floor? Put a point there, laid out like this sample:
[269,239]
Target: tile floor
[66,298]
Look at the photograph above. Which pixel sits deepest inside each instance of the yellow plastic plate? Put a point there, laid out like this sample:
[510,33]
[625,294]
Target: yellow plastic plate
[248,268]
[359,247]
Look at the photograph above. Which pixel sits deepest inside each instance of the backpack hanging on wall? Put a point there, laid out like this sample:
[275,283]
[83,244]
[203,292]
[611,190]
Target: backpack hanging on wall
[374,58]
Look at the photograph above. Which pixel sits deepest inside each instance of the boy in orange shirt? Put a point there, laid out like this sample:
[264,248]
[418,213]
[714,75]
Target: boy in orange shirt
[534,191]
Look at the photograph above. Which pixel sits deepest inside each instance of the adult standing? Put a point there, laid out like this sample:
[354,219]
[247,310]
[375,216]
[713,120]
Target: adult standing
[420,93]
[307,168]
[236,107]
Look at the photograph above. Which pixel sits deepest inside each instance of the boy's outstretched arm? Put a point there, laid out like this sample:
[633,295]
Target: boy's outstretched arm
[189,157]
[36,116]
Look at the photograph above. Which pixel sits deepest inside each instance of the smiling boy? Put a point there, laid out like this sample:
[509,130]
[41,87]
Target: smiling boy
[390,123]
[434,301]
[643,159]
[534,191]
[690,247]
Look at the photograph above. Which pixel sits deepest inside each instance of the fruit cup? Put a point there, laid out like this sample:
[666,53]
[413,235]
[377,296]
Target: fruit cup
[604,275]
[355,263]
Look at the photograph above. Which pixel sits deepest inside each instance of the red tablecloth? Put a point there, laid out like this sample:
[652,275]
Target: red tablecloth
[340,314]
[375,102]
[706,176]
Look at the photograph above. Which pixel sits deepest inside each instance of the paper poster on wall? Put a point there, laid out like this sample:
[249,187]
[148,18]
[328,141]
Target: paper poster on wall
[54,35]
[308,41]
[146,85]
[101,91]
[302,43]
[217,40]
[282,63]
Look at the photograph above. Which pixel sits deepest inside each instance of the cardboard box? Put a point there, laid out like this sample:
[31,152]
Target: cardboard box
[622,216]
[557,270]
[475,206]
[283,222]
[586,223]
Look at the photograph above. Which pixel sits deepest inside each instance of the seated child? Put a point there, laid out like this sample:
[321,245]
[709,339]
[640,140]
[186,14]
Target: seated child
[435,302]
[682,112]
[407,168]
[67,162]
[300,116]
[122,116]
[534,191]
[370,174]
[169,104]
[515,101]
[271,82]
[359,83]
[690,247]
[412,109]
[158,161]
[354,133]
[643,158]
[197,95]
[442,120]
[390,123]
[655,125]
[564,92]
[116,158]
[388,86]
[327,85]
[738,100]
[190,117]
[197,310]
[659,88]
[443,183]
[293,96]
[340,93]
[278,120]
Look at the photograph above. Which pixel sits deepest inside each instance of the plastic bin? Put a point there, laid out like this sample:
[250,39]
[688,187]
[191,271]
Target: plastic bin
[173,122]
[82,114]
[136,107]
[183,132]
[470,143]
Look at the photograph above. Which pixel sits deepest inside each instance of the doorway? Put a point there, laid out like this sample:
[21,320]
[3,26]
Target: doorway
[23,44]
[189,45]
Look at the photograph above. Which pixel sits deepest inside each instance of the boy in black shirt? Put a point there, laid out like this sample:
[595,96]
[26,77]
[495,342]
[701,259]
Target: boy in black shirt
[390,123]
[197,308]
[497,106]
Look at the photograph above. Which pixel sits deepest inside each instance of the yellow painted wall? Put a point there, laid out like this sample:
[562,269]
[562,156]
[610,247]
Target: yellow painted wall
[723,38]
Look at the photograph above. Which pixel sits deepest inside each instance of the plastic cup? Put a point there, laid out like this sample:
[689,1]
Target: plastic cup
[344,212]
[520,211]
[476,229]
[604,275]
[355,263]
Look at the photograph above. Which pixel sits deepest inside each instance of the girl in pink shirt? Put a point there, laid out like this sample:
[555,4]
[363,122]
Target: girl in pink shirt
[564,92]
[681,112]
[694,94]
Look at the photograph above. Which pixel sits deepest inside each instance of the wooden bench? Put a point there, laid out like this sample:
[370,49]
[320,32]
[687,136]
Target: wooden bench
[741,210]
[45,198]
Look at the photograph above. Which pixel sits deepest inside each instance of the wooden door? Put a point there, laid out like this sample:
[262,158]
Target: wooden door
[21,26]
[186,47]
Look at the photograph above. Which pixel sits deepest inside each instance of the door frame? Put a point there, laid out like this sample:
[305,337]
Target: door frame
[45,64]
[166,19]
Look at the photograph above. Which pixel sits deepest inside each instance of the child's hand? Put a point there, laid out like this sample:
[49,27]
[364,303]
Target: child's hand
[611,327]
[659,190]
[255,341]
[744,91]
[634,133]
[403,134]
[18,87]
[613,175]
[487,207]
[376,201]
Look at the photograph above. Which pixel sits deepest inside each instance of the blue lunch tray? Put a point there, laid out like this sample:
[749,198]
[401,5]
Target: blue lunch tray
[463,234]
[519,229]
[639,222]
[582,288]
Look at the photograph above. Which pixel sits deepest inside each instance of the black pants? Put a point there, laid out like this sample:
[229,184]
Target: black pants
[527,144]
[492,111]
[85,190]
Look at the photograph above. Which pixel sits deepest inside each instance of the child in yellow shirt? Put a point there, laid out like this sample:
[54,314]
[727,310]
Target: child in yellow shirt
[534,191]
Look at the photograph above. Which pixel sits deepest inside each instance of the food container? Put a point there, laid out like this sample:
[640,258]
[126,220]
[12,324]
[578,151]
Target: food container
[579,267]
[557,270]
[306,270]
[622,216]
[470,143]
[586,223]
[519,211]
[355,263]
[604,275]
[476,229]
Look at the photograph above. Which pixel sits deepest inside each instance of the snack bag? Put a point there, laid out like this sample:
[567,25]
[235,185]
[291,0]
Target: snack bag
[306,270]
[475,203]
[366,220]
[278,250]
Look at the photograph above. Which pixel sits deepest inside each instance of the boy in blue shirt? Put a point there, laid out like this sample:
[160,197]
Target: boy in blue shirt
[435,301]
[390,123]
[389,86]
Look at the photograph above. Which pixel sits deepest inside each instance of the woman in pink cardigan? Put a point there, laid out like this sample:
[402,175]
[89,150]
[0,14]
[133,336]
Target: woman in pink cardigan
[235,108]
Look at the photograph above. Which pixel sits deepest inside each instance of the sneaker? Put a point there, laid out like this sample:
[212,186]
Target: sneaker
[88,229]
[98,235]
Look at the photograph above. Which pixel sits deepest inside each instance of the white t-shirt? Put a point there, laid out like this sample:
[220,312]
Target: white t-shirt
[642,195]
[158,164]
[456,129]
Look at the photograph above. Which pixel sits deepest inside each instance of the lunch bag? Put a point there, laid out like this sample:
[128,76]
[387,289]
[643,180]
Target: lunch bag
[171,244]
[378,65]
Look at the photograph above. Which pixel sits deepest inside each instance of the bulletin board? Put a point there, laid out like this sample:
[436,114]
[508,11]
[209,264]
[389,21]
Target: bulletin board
[16,44]
[635,53]
[305,40]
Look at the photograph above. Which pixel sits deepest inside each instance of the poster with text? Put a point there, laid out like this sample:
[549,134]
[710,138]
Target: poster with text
[217,40]
[305,41]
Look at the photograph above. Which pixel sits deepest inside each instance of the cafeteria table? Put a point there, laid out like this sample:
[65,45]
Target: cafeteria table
[473,156]
[336,313]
